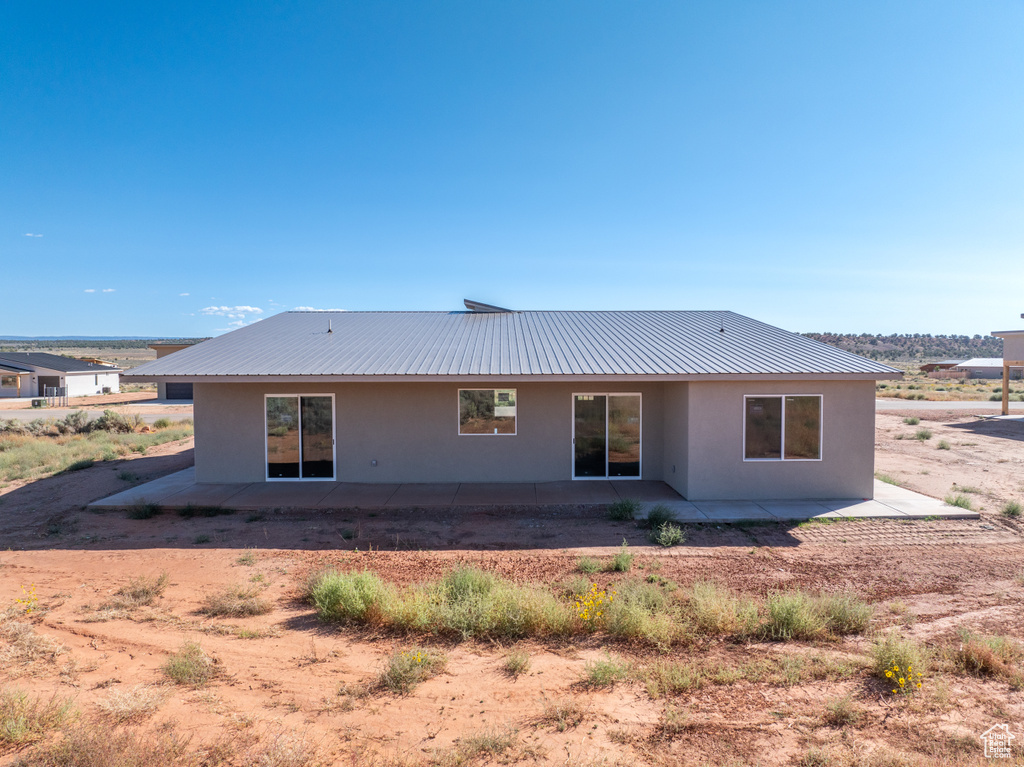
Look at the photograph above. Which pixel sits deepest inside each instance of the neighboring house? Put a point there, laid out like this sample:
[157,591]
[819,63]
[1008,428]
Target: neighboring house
[931,367]
[986,367]
[27,374]
[717,405]
[173,390]
[1013,360]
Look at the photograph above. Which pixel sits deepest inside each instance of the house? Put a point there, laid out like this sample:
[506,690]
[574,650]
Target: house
[28,374]
[715,404]
[986,367]
[932,367]
[173,390]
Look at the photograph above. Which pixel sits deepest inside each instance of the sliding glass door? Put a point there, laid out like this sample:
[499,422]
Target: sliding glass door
[300,436]
[606,436]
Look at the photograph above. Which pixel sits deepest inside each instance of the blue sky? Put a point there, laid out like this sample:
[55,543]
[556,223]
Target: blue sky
[187,167]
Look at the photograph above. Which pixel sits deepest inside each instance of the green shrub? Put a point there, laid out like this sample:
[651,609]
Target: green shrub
[623,509]
[143,510]
[845,613]
[24,718]
[622,561]
[588,565]
[962,501]
[667,534]
[352,598]
[793,615]
[893,650]
[405,669]
[162,423]
[1011,509]
[987,655]
[912,420]
[716,610]
[658,515]
[190,666]
[85,463]
[605,672]
[841,712]
[640,611]
[923,434]
[943,445]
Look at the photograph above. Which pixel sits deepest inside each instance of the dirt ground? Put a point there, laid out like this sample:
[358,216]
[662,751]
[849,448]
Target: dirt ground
[285,675]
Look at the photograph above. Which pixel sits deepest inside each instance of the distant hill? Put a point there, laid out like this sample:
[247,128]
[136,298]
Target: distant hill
[23,344]
[913,348]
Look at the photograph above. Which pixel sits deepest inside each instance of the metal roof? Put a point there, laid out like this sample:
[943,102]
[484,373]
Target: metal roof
[529,343]
[982,362]
[14,369]
[34,360]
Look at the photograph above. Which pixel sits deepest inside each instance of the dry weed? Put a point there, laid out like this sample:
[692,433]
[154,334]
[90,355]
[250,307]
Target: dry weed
[133,704]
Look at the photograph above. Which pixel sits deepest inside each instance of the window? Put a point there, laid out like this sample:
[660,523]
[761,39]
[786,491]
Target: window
[782,428]
[487,411]
[9,382]
[300,437]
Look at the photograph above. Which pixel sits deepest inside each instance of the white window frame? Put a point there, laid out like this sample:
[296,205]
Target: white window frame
[572,444]
[782,445]
[334,440]
[458,410]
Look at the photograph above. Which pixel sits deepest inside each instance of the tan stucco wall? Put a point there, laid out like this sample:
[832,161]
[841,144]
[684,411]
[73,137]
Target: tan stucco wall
[1013,347]
[676,429]
[717,470]
[411,430]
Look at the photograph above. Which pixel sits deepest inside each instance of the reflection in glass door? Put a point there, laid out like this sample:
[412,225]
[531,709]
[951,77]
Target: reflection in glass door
[606,435]
[590,436]
[300,437]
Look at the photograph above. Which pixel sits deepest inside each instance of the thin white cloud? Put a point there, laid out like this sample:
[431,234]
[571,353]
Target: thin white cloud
[90,290]
[235,312]
[237,324]
[29,234]
[109,290]
[183,294]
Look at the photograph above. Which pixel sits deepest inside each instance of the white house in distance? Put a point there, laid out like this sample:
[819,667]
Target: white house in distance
[986,367]
[715,404]
[27,374]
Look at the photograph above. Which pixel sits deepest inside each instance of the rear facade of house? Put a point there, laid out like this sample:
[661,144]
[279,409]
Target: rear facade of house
[32,374]
[715,404]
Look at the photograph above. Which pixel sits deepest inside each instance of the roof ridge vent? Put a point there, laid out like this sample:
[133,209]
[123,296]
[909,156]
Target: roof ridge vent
[480,308]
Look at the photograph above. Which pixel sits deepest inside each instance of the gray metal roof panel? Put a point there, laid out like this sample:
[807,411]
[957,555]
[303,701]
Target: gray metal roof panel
[54,362]
[531,343]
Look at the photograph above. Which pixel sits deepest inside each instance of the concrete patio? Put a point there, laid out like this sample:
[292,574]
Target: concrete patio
[180,490]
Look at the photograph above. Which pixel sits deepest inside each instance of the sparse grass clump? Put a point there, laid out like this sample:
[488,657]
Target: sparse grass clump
[622,561]
[912,420]
[887,478]
[84,463]
[943,445]
[715,610]
[88,746]
[143,510]
[605,672]
[139,592]
[162,423]
[1011,509]
[190,666]
[623,509]
[516,662]
[923,434]
[793,615]
[959,500]
[841,712]
[562,714]
[658,515]
[236,602]
[405,669]
[248,559]
[845,613]
[25,718]
[22,646]
[133,704]
[588,565]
